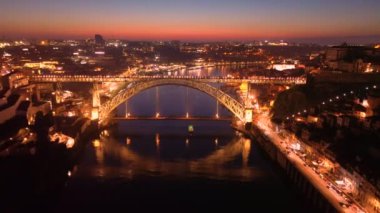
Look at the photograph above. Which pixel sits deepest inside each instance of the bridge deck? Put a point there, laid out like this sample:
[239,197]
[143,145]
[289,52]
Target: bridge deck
[133,118]
[209,79]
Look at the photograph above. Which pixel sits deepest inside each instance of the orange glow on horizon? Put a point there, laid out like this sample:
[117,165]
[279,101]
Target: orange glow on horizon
[150,31]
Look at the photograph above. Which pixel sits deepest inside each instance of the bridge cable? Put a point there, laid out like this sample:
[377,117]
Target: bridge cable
[187,102]
[217,102]
[157,102]
[126,109]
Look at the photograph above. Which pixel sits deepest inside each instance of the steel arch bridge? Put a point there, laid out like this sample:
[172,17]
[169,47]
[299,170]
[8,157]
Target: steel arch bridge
[234,106]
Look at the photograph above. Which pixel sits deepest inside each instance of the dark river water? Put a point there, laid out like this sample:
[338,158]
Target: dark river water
[145,166]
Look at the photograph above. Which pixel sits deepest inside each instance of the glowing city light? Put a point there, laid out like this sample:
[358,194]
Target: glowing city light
[70,143]
[96,143]
[157,140]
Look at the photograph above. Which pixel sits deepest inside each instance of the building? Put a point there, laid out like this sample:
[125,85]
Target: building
[357,59]
[99,40]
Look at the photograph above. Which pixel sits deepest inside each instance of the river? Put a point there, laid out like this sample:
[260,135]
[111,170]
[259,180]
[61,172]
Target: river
[141,166]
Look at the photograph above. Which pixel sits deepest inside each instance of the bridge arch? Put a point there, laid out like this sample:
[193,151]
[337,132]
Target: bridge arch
[226,100]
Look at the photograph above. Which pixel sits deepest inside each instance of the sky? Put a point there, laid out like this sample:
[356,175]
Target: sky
[198,20]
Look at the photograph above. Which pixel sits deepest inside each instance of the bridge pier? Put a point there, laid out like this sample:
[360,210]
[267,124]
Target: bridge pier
[244,88]
[95,102]
[248,117]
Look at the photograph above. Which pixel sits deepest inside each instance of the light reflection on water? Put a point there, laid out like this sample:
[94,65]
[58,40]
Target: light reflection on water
[220,163]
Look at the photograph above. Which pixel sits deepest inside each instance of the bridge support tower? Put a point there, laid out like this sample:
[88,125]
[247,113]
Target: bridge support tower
[248,117]
[95,102]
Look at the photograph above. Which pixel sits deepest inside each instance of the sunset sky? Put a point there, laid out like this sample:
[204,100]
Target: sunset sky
[191,19]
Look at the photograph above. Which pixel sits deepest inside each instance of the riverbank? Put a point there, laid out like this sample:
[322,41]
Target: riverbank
[317,189]
[34,180]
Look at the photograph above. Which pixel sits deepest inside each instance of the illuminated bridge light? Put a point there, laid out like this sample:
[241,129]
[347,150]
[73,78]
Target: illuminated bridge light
[157,115]
[128,141]
[187,115]
[217,116]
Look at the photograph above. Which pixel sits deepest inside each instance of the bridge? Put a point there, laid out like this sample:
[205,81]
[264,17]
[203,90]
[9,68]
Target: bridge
[234,106]
[136,84]
[206,79]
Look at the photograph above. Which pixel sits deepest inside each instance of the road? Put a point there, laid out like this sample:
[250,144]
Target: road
[327,187]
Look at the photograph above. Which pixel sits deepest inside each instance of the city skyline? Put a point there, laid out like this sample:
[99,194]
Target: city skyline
[320,22]
[190,106]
